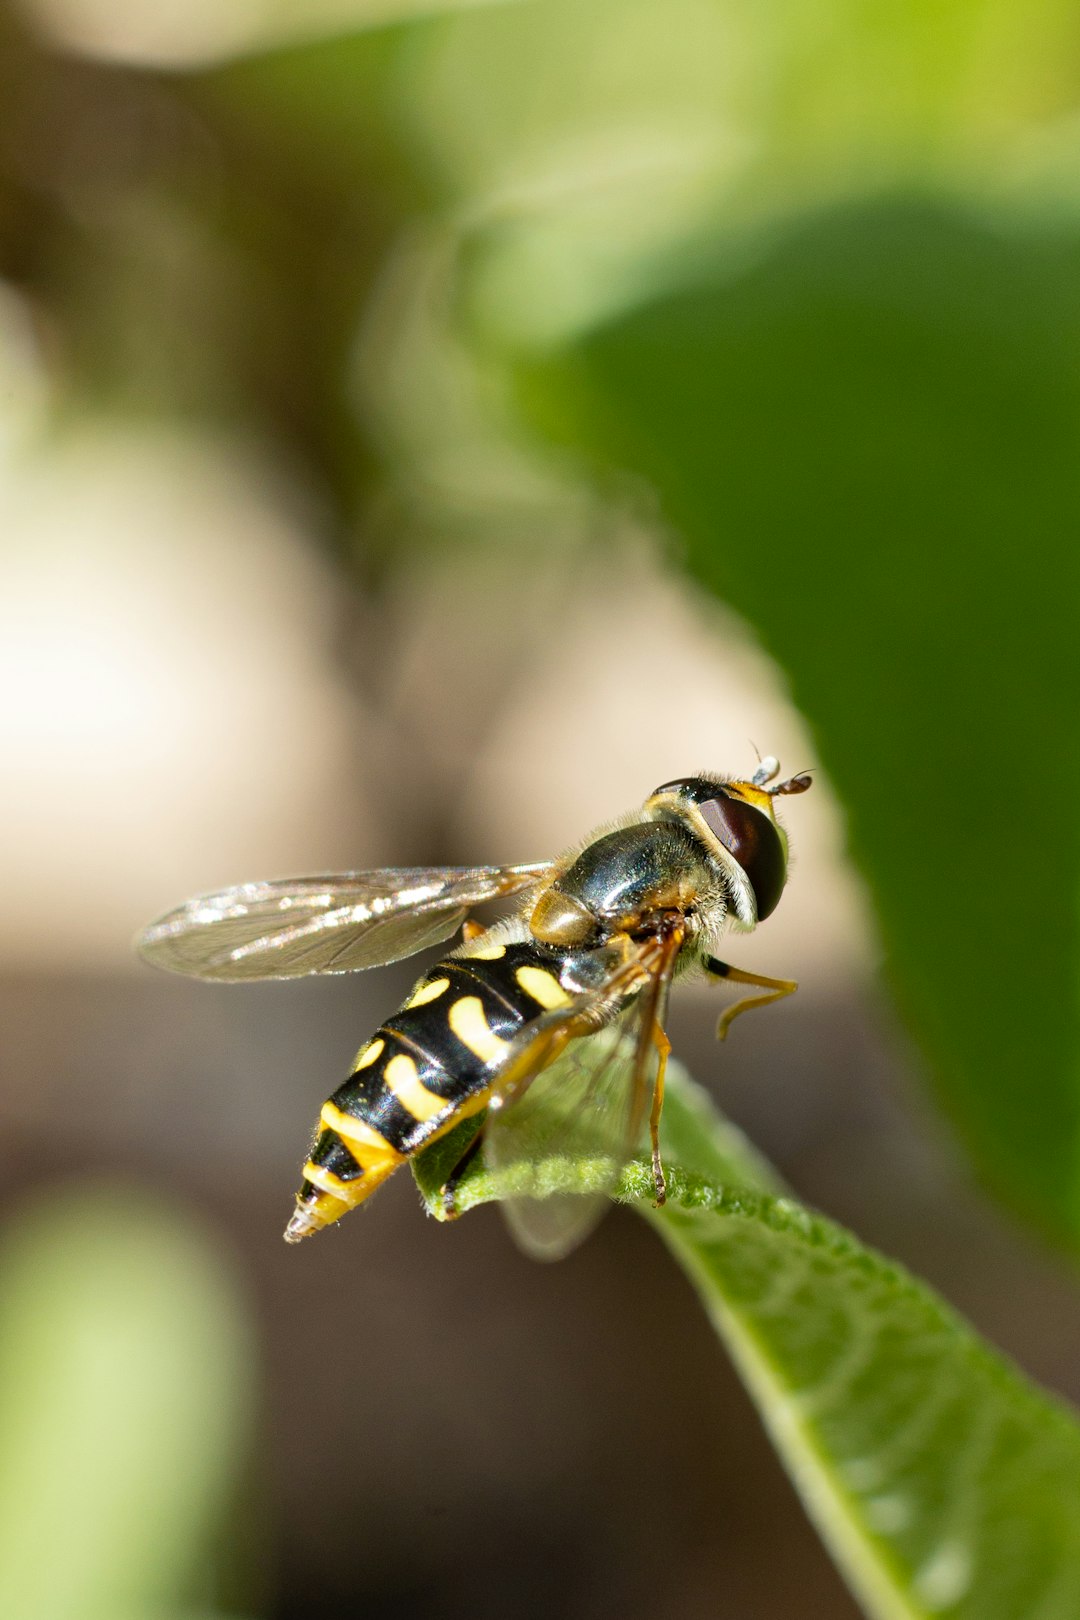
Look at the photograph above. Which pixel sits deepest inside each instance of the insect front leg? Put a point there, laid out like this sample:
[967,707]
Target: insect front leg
[663,1048]
[653,1038]
[775,989]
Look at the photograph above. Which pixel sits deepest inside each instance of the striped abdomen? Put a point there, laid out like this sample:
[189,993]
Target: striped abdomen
[426,1068]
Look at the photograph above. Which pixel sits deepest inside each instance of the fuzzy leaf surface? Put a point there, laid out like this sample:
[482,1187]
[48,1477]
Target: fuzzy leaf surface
[942,1481]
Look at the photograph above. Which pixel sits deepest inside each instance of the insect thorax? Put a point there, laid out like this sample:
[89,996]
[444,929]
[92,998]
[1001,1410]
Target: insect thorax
[625,879]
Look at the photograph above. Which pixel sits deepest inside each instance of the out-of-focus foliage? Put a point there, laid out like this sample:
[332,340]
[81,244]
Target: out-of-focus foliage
[195,32]
[861,420]
[125,1404]
[590,149]
[869,441]
[941,1480]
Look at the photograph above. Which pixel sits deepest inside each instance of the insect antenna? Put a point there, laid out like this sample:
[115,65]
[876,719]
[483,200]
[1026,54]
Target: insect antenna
[795,784]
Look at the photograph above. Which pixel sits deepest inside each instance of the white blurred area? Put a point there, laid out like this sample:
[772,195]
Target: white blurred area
[182,674]
[171,715]
[195,33]
[622,679]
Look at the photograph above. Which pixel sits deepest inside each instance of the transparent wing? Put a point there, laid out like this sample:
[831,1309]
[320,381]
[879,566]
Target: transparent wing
[586,1109]
[333,924]
[581,1108]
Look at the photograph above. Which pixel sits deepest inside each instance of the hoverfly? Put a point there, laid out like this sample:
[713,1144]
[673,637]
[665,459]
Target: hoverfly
[549,1023]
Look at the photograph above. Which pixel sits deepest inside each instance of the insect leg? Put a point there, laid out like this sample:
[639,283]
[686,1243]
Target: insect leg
[471,930]
[663,1048]
[776,989]
[448,1190]
[535,1055]
[652,1038]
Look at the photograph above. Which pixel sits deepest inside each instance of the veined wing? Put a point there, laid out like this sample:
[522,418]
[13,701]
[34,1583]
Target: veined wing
[580,1108]
[332,924]
[585,1109]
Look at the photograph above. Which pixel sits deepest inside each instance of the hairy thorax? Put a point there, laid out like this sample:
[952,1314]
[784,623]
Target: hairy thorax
[625,881]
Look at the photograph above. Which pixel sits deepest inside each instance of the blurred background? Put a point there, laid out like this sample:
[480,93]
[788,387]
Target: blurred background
[424,427]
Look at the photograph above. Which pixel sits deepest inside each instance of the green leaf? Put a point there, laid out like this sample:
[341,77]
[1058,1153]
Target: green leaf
[941,1480]
[591,143]
[867,442]
[125,1407]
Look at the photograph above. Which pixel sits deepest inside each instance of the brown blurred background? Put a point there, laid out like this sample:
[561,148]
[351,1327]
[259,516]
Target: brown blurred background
[286,587]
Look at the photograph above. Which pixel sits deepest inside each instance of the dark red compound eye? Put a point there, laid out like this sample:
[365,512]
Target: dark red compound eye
[753,840]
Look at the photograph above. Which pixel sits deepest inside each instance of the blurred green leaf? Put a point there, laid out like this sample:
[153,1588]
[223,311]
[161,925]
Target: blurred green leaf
[940,1479]
[125,1388]
[145,33]
[868,441]
[585,143]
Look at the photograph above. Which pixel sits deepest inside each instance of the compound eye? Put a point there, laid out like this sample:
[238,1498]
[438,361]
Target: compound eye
[753,840]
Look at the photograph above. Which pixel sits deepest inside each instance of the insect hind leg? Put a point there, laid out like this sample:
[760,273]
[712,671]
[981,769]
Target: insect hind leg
[448,1191]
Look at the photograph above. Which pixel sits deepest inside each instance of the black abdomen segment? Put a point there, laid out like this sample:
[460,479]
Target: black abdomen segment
[430,1064]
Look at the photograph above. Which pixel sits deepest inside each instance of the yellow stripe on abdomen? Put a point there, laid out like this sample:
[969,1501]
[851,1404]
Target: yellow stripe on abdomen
[370,1150]
[371,1053]
[466,1019]
[427,992]
[348,1192]
[542,986]
[402,1080]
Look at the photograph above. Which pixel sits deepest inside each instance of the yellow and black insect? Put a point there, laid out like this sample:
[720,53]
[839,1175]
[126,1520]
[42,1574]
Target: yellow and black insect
[549,1022]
